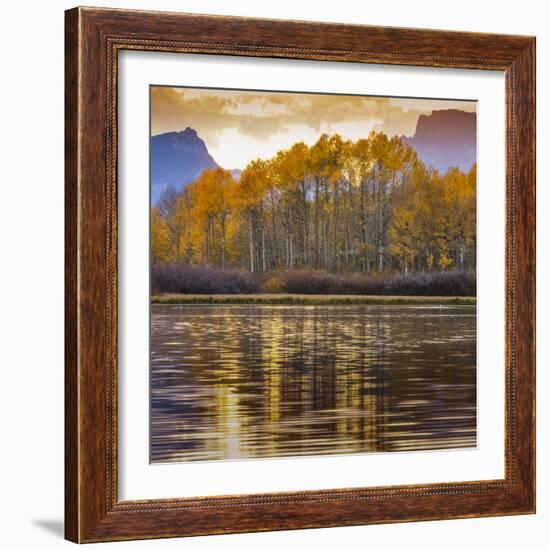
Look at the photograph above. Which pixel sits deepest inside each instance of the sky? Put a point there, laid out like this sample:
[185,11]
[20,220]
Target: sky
[239,126]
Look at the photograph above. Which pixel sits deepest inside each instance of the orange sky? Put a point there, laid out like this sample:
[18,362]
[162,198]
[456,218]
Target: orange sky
[238,126]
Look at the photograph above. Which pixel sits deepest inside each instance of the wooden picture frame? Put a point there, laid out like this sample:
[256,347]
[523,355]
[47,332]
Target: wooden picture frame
[93,511]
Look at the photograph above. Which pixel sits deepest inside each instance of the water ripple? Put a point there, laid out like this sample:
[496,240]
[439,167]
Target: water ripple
[233,382]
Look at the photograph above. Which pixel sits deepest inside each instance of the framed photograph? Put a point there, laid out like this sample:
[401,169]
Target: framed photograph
[300,275]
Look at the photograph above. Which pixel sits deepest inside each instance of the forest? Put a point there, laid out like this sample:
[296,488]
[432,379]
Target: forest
[368,207]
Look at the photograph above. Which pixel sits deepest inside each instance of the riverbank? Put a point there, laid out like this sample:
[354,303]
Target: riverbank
[310,299]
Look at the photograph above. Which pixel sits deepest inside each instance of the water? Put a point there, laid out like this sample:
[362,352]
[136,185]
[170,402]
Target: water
[233,382]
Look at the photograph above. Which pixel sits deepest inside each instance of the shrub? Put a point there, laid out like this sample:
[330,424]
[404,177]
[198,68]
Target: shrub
[187,279]
[321,282]
[446,283]
[274,284]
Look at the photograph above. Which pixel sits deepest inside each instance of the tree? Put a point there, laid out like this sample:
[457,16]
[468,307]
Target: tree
[160,245]
[248,197]
[338,205]
[211,195]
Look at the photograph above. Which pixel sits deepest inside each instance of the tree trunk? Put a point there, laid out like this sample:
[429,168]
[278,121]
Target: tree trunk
[223,242]
[263,249]
[251,241]
[316,224]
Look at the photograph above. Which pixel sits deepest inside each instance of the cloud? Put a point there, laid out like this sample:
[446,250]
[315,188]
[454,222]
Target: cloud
[238,125]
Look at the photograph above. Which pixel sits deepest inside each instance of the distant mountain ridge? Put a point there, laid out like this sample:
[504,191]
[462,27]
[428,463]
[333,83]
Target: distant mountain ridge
[236,173]
[177,158]
[445,139]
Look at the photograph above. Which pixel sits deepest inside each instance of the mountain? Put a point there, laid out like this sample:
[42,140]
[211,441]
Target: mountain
[446,139]
[177,158]
[236,173]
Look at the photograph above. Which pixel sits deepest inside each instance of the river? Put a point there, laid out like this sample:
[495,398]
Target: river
[254,381]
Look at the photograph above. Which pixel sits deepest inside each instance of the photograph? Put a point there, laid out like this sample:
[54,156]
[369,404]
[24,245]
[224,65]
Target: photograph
[312,274]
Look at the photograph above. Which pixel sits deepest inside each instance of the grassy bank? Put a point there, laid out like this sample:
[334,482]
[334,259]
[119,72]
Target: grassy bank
[309,299]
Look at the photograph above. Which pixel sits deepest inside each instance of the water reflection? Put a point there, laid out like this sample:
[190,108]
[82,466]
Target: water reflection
[232,382]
